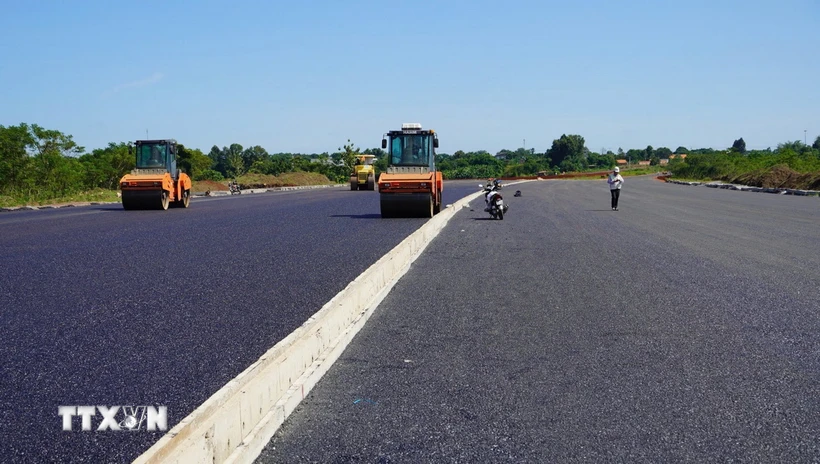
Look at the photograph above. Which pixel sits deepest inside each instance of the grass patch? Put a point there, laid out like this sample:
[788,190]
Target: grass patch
[6,201]
[641,171]
[91,196]
[290,179]
[598,175]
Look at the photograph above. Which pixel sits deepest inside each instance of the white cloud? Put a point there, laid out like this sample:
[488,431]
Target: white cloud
[153,79]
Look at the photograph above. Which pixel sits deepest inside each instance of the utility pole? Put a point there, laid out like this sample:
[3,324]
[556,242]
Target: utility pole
[146,134]
[525,144]
[804,137]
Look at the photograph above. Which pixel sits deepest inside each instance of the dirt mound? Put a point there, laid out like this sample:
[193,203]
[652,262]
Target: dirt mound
[288,179]
[570,175]
[202,186]
[255,181]
[810,181]
[779,176]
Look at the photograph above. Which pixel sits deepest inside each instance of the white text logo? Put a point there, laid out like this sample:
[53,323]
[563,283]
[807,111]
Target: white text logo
[128,418]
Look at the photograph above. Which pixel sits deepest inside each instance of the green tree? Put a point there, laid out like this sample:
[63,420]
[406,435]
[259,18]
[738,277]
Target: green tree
[739,145]
[219,160]
[252,155]
[39,163]
[235,161]
[45,141]
[796,146]
[105,166]
[633,155]
[504,154]
[348,154]
[192,161]
[521,155]
[598,161]
[663,152]
[816,144]
[14,159]
[378,152]
[572,164]
[300,163]
[567,146]
[648,152]
[681,151]
[209,174]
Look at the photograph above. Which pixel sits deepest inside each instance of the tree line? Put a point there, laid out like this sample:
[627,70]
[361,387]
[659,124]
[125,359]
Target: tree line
[38,164]
[736,163]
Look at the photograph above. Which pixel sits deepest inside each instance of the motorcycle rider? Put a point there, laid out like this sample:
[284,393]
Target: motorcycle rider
[491,187]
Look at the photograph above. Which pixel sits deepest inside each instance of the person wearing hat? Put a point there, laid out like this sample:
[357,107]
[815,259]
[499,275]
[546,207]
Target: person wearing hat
[615,182]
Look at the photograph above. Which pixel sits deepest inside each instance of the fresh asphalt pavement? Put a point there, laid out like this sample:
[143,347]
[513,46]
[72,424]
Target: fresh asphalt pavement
[106,307]
[682,328]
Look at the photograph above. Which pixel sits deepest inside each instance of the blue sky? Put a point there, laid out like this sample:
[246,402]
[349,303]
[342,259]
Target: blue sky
[305,76]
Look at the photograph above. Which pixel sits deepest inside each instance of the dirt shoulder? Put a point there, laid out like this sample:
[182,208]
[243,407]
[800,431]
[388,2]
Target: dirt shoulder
[775,177]
[247,182]
[260,181]
[780,176]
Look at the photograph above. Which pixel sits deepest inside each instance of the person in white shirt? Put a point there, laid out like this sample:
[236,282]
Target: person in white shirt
[615,182]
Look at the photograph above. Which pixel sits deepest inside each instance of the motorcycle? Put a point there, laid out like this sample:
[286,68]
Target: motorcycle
[495,202]
[234,187]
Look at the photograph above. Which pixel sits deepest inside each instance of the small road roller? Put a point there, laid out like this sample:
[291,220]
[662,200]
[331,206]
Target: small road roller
[411,186]
[364,173]
[156,182]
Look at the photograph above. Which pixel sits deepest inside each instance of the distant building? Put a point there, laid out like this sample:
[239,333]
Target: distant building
[664,161]
[644,163]
[621,162]
[682,156]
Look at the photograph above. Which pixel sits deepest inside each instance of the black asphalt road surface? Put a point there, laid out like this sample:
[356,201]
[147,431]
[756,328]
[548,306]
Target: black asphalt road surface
[682,328]
[101,306]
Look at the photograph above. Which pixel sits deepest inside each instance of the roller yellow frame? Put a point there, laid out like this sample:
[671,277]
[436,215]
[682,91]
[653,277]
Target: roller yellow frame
[364,173]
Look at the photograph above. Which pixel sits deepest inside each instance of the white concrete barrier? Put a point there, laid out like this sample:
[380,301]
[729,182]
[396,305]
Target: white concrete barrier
[236,422]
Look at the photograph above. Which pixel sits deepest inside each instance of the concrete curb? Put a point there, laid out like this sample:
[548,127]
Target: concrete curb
[746,188]
[236,422]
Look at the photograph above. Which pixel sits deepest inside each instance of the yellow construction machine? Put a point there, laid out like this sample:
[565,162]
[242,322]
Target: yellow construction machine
[364,174]
[156,182]
[411,186]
